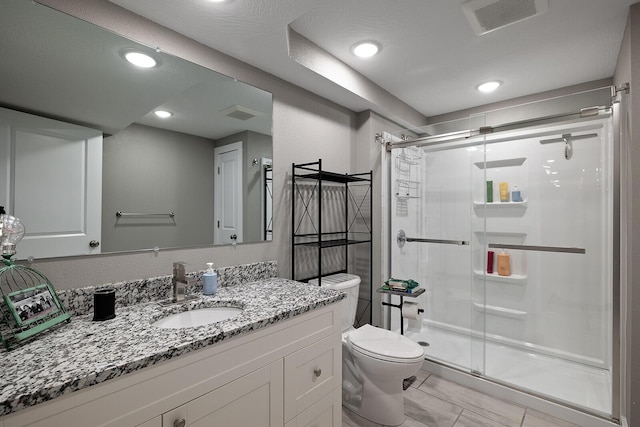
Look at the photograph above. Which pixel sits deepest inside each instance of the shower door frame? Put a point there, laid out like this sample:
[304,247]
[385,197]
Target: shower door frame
[593,113]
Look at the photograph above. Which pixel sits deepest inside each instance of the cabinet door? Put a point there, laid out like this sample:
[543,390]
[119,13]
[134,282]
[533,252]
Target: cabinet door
[326,412]
[311,373]
[254,400]
[156,422]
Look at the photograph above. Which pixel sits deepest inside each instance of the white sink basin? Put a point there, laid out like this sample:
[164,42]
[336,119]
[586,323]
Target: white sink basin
[198,317]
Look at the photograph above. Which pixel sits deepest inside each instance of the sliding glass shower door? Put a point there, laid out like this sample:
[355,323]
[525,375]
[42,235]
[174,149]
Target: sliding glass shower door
[512,238]
[551,313]
[433,208]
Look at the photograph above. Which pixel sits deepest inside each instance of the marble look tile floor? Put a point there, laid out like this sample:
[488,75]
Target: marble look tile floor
[432,401]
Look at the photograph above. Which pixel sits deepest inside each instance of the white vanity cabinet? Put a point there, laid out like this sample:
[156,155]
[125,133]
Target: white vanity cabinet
[287,374]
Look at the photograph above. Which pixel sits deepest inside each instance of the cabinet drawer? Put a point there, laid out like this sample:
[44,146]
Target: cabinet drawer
[311,373]
[326,412]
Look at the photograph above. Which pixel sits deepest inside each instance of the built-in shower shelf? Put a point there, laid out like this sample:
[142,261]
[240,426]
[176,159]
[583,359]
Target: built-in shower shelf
[500,311]
[518,279]
[522,204]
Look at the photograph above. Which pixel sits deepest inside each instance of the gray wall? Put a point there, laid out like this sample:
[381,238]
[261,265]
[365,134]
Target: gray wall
[145,169]
[371,155]
[258,145]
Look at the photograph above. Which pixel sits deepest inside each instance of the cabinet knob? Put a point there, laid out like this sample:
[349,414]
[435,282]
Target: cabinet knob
[179,423]
[317,372]
[94,243]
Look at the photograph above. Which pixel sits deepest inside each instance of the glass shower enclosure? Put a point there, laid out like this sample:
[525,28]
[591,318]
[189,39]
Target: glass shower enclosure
[511,235]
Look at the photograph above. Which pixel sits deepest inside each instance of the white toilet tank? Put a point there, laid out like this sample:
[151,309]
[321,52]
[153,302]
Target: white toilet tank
[348,283]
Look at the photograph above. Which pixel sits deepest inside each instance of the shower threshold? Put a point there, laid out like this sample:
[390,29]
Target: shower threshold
[576,384]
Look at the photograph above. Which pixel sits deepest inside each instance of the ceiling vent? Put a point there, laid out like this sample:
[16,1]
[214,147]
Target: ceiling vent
[239,112]
[489,15]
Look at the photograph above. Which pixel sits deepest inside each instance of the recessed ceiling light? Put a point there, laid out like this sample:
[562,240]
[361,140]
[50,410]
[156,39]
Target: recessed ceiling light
[140,59]
[489,86]
[365,49]
[163,114]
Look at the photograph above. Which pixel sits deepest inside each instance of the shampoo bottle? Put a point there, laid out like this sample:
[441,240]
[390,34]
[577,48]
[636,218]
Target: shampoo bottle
[504,264]
[504,192]
[489,191]
[516,196]
[209,280]
[490,262]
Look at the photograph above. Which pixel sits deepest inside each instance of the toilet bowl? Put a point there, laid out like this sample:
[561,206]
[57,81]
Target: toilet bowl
[375,361]
[380,361]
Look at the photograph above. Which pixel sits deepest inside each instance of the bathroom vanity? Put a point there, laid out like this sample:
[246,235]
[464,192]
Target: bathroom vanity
[277,363]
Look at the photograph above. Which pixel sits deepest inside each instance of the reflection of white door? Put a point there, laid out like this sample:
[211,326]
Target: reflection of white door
[227,195]
[51,178]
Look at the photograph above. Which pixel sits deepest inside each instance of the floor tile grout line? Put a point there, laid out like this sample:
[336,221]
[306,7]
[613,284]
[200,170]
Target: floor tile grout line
[475,409]
[457,418]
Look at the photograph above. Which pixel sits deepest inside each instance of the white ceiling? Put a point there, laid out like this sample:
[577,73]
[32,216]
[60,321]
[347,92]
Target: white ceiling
[431,59]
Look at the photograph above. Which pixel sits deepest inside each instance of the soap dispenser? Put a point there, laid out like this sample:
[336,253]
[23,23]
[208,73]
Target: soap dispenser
[209,280]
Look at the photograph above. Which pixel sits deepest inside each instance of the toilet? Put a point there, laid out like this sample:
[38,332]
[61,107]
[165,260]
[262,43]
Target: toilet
[375,361]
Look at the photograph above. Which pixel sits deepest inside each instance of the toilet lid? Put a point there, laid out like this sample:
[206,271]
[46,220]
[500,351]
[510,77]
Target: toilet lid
[384,344]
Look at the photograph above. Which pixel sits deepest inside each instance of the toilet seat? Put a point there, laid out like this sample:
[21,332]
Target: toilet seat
[384,345]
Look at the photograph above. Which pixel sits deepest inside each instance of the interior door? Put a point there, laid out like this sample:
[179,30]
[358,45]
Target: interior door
[228,193]
[40,156]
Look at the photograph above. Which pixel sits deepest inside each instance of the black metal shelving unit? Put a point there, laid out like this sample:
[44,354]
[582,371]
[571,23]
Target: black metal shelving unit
[329,211]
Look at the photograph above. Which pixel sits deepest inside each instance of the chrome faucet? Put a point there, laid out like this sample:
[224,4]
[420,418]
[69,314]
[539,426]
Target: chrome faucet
[178,282]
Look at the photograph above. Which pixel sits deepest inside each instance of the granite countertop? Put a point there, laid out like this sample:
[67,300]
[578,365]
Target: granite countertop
[84,353]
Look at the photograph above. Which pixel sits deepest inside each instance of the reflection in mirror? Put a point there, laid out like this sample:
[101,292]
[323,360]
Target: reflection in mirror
[91,168]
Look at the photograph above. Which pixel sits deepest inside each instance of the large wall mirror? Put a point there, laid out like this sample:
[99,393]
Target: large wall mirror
[90,168]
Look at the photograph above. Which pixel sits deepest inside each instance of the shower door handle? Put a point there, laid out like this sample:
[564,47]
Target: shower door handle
[402,238]
[538,248]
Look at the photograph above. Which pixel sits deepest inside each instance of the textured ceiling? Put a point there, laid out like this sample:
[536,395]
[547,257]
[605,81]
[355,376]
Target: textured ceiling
[431,59]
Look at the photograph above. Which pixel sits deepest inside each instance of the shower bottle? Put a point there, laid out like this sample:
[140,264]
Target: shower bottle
[504,191]
[504,264]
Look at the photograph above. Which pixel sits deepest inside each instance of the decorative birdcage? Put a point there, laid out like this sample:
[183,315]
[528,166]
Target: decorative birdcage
[29,302]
